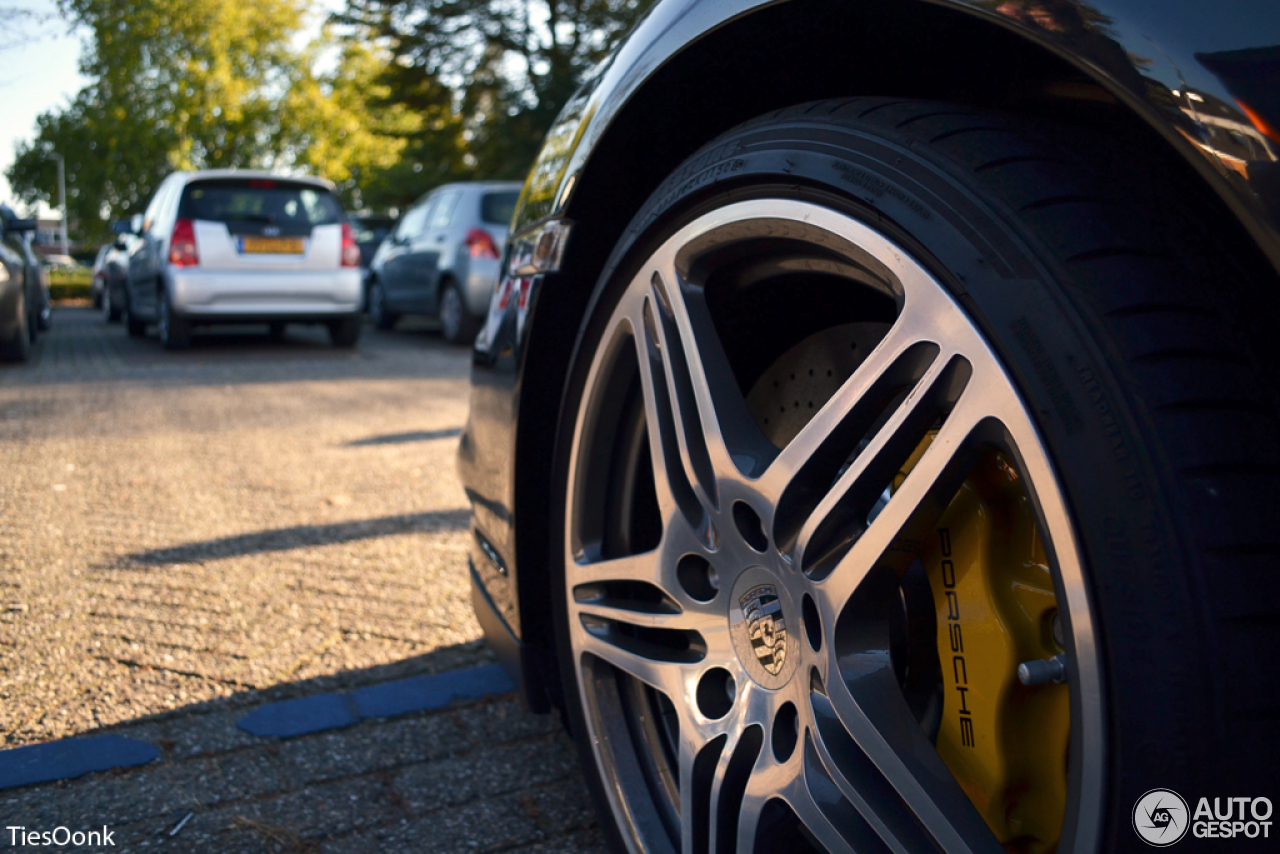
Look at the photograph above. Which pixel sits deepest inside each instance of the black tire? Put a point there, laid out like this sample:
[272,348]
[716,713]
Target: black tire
[383,317]
[136,326]
[174,329]
[18,347]
[457,323]
[276,330]
[345,333]
[110,311]
[1135,346]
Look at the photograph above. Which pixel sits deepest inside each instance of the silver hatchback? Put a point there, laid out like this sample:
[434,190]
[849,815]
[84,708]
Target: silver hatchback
[243,247]
[443,257]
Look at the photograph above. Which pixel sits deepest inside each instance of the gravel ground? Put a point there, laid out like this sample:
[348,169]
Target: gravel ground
[184,536]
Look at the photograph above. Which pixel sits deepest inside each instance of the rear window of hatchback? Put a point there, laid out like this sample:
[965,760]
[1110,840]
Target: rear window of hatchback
[259,201]
[498,208]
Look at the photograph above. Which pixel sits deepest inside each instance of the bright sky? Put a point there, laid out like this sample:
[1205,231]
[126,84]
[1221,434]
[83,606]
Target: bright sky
[35,77]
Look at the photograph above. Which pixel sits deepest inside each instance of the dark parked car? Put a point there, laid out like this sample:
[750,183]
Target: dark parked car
[442,258]
[874,438]
[24,289]
[110,269]
[370,231]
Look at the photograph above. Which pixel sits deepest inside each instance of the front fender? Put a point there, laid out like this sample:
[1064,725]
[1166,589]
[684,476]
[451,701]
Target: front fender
[1206,77]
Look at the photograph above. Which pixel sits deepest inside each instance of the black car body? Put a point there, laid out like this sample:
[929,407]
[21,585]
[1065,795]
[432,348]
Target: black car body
[24,294]
[1194,88]
[110,269]
[370,232]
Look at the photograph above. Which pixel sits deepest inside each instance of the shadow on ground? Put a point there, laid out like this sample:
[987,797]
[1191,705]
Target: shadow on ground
[404,438]
[306,536]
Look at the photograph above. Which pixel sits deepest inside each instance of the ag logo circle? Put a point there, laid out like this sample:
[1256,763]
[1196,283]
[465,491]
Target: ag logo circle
[1161,817]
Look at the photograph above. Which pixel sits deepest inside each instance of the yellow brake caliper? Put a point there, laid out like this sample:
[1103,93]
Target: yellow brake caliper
[1005,742]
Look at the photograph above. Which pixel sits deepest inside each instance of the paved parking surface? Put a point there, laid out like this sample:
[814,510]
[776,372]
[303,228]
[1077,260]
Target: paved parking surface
[185,537]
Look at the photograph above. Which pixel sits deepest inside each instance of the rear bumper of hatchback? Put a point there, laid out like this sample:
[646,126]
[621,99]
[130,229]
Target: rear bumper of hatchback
[211,294]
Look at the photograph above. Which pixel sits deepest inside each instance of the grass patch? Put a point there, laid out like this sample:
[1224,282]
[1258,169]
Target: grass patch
[69,284]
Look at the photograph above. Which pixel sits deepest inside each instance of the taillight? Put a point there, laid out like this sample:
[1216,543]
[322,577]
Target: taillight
[481,244]
[350,249]
[182,244]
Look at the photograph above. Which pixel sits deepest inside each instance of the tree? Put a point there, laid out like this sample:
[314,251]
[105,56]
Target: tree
[113,164]
[17,25]
[346,126]
[504,68]
[213,84]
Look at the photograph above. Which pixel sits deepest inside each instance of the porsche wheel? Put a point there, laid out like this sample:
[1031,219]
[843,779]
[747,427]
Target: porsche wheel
[870,528]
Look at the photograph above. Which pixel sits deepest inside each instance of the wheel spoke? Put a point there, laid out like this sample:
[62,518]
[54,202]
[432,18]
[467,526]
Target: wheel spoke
[644,568]
[818,804]
[631,590]
[658,667]
[713,791]
[884,765]
[846,507]
[720,436]
[831,433]
[921,498]
[673,477]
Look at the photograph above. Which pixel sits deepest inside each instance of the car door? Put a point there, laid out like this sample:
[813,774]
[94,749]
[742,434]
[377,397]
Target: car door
[437,246]
[423,258]
[396,272]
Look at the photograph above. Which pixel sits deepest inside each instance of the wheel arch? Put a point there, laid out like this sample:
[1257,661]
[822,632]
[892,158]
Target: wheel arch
[768,59]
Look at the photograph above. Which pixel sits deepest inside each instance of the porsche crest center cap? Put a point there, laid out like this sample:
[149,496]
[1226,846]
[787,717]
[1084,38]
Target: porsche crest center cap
[761,626]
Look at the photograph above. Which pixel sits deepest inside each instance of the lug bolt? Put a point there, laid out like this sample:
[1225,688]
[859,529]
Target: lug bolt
[1043,671]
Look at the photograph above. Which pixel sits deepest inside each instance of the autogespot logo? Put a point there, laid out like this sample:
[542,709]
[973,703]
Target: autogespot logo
[1160,817]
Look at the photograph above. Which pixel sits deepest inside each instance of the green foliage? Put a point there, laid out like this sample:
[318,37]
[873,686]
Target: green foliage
[498,71]
[415,93]
[70,284]
[213,84]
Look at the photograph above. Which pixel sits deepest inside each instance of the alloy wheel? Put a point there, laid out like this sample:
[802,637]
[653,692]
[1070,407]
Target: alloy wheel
[738,559]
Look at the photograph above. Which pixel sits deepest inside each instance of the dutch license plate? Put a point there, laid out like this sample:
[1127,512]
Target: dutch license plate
[271,245]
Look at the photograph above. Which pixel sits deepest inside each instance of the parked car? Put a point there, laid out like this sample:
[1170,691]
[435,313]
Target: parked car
[874,437]
[442,258]
[115,266]
[21,297]
[370,231]
[232,246]
[97,283]
[109,274]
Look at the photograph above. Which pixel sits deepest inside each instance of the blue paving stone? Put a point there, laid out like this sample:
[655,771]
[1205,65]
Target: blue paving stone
[290,718]
[71,757]
[419,693]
